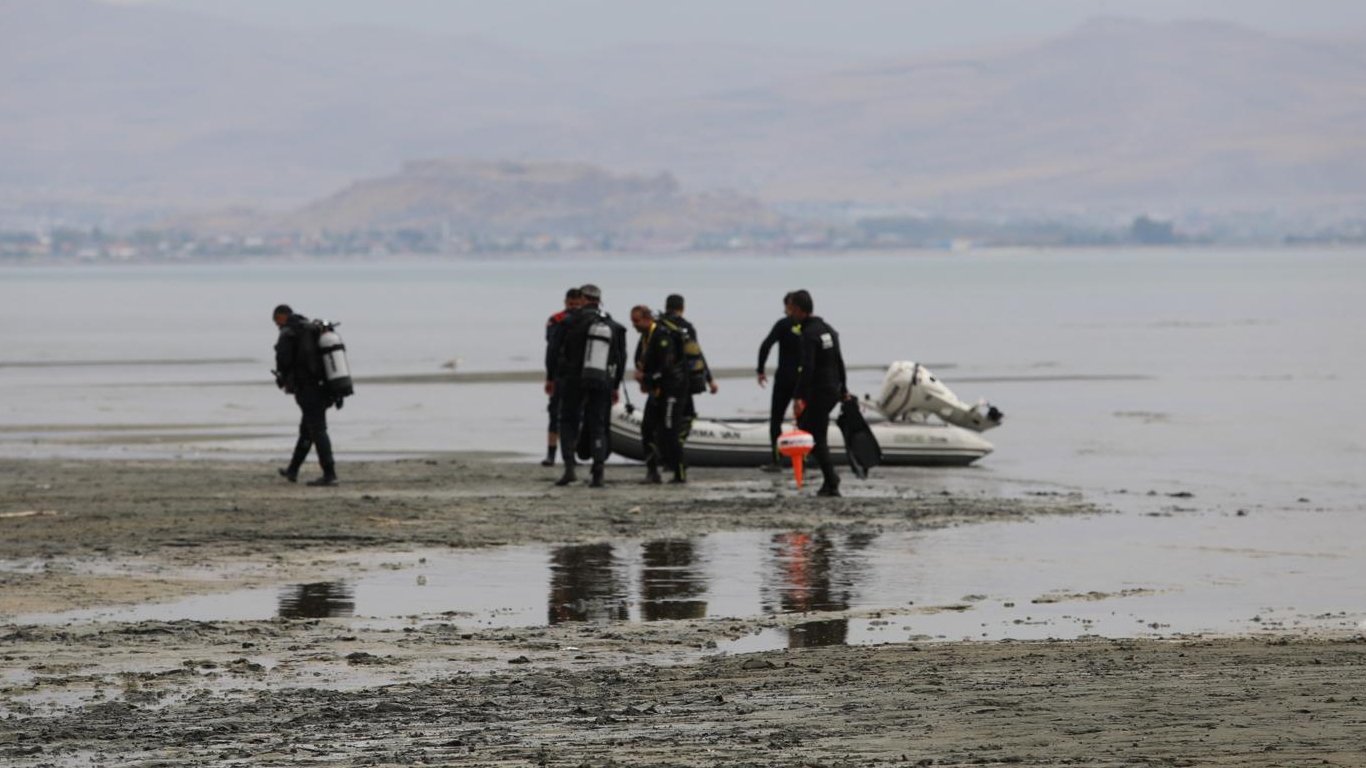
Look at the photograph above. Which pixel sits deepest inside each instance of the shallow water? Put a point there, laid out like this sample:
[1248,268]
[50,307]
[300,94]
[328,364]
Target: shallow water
[1119,575]
[1128,375]
[1236,374]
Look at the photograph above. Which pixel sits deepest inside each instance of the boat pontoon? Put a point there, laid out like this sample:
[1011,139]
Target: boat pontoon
[916,419]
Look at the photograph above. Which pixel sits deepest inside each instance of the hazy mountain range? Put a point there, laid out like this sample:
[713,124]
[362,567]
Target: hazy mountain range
[136,109]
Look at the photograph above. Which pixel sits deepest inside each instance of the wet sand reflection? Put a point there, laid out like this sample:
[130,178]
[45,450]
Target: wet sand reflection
[672,581]
[814,572]
[802,572]
[323,600]
[586,584]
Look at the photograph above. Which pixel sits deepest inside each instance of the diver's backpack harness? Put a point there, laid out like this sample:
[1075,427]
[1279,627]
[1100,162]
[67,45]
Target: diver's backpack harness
[694,363]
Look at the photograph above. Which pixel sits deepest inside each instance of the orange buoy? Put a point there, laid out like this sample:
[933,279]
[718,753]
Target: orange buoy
[796,445]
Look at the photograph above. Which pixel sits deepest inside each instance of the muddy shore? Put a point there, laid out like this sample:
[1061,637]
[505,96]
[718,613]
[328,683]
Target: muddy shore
[176,514]
[439,691]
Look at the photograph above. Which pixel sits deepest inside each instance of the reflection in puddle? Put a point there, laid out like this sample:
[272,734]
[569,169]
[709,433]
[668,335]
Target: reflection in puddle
[592,583]
[324,600]
[814,572]
[586,584]
[672,581]
[1062,577]
[803,572]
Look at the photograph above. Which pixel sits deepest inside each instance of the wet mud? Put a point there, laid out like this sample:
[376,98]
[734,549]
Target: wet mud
[302,690]
[176,516]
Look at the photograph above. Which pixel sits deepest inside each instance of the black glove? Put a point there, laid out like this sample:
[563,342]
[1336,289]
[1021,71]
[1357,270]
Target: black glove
[339,402]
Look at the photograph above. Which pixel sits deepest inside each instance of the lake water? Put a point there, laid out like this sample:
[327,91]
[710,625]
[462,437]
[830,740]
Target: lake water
[1237,375]
[1215,396]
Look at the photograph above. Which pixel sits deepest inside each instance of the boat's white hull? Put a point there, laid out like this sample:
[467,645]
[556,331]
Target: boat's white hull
[745,443]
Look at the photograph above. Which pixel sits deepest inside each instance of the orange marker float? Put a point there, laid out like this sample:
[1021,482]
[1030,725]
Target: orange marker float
[796,445]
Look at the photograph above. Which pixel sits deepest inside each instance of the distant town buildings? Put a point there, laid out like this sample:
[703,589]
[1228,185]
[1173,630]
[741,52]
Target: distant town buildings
[73,245]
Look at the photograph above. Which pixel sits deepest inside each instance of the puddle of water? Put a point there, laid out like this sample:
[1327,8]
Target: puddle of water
[16,677]
[1108,575]
[317,601]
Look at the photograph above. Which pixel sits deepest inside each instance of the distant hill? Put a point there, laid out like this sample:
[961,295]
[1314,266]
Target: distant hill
[120,110]
[507,199]
[1120,114]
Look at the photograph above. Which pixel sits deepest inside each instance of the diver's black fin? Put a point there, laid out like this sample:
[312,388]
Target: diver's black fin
[859,443]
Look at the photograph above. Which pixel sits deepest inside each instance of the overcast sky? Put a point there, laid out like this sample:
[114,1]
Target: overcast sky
[852,27]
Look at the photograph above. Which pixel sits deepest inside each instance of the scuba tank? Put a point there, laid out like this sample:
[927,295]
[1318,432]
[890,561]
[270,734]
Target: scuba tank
[693,362]
[597,353]
[332,350]
[697,366]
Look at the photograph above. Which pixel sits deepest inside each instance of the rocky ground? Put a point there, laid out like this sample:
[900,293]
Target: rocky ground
[440,691]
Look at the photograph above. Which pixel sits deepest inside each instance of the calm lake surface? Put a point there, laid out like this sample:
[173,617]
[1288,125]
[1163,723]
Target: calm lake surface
[1235,375]
[1215,396]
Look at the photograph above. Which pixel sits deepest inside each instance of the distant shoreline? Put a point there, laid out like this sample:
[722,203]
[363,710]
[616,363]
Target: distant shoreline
[624,256]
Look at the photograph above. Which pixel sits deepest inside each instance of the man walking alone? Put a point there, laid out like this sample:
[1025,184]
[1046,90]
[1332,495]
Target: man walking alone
[298,371]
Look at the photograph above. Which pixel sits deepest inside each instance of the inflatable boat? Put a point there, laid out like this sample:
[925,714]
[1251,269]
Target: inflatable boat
[916,419]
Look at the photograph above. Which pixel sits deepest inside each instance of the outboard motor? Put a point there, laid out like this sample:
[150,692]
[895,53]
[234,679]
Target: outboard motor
[333,353]
[910,388]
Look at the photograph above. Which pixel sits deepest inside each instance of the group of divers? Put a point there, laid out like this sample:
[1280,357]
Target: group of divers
[585,365]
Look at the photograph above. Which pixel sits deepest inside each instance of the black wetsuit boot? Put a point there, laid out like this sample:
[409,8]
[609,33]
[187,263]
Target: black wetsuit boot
[569,475]
[649,438]
[784,384]
[816,420]
[571,422]
[674,426]
[597,418]
[313,429]
[301,448]
[324,446]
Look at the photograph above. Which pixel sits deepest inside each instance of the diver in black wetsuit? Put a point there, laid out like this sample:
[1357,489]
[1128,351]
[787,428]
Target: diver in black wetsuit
[667,420]
[298,371]
[820,385]
[787,334]
[673,315]
[587,378]
[573,298]
[643,320]
[679,409]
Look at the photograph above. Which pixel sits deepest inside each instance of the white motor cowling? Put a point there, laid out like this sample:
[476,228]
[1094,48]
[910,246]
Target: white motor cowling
[335,369]
[910,389]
